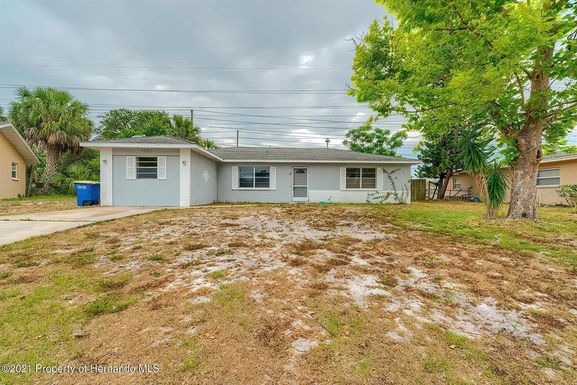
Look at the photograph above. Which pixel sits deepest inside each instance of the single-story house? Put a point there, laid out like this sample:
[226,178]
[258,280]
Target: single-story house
[15,156]
[168,171]
[554,171]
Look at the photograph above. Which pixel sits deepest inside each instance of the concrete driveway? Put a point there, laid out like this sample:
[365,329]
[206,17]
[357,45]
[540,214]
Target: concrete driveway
[15,228]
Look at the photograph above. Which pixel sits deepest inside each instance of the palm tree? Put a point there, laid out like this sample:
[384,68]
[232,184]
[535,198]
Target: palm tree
[207,143]
[53,121]
[182,127]
[488,174]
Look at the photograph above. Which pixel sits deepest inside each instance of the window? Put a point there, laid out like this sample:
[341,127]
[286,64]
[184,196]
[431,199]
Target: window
[253,177]
[146,167]
[14,170]
[550,177]
[456,184]
[361,178]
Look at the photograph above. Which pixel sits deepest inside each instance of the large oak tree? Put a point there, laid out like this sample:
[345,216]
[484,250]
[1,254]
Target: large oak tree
[510,65]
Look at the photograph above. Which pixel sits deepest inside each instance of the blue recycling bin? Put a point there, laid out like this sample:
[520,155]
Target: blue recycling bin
[87,193]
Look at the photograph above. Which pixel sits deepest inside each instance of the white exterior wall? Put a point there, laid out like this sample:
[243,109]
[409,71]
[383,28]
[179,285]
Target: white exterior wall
[185,166]
[194,179]
[145,192]
[203,180]
[324,183]
[106,184]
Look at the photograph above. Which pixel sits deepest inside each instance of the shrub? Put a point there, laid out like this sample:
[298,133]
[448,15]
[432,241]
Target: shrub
[569,192]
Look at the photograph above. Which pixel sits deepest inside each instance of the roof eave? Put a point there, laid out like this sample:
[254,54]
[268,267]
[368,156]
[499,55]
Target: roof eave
[174,146]
[320,161]
[24,149]
[560,159]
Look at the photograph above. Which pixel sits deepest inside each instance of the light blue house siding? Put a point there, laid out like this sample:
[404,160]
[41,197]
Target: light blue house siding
[145,192]
[282,193]
[203,180]
[183,174]
[324,183]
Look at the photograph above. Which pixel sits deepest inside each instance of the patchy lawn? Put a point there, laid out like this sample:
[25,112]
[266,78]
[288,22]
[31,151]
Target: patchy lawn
[36,204]
[554,235]
[295,294]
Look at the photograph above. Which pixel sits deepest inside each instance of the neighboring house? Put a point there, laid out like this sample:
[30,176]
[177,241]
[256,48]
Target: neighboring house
[167,171]
[554,171]
[15,156]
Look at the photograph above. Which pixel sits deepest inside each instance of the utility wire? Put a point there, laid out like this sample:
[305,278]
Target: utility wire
[183,68]
[275,117]
[199,91]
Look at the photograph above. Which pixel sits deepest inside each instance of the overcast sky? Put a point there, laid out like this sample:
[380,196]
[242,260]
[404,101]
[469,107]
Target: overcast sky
[227,53]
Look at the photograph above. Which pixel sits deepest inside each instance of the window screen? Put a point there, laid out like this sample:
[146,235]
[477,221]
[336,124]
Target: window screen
[361,178]
[253,177]
[14,170]
[550,177]
[146,167]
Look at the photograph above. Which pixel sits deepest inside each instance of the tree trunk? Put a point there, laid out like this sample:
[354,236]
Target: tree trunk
[523,203]
[443,184]
[51,169]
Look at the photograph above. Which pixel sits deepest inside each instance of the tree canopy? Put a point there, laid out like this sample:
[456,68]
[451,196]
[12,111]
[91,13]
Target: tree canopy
[373,140]
[505,65]
[124,123]
[441,155]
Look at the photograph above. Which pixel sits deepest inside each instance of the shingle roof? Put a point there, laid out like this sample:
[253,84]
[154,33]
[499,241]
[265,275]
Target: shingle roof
[559,157]
[300,154]
[161,139]
[230,154]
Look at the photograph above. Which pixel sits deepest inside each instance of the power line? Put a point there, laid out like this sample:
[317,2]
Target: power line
[199,91]
[275,117]
[275,131]
[290,134]
[184,68]
[269,123]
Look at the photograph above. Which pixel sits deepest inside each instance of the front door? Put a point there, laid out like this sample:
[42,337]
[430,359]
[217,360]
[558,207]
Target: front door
[300,184]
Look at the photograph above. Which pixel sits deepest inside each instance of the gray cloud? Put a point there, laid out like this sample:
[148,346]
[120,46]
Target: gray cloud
[197,44]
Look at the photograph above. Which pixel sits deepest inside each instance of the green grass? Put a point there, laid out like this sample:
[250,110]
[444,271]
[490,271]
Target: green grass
[456,340]
[232,299]
[115,282]
[190,364]
[110,303]
[156,257]
[363,367]
[218,252]
[5,274]
[387,280]
[332,324]
[39,198]
[436,365]
[83,257]
[551,236]
[216,275]
[115,257]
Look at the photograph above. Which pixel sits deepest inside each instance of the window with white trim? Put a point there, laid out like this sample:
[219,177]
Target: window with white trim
[146,167]
[456,184]
[361,178]
[14,171]
[551,177]
[253,177]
